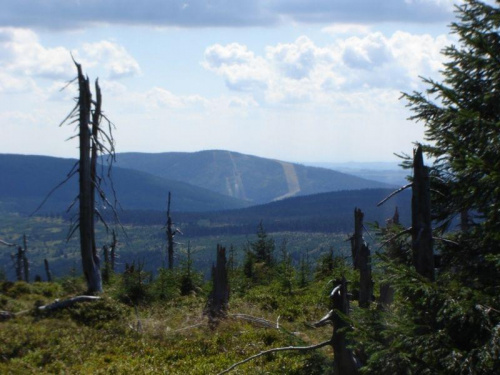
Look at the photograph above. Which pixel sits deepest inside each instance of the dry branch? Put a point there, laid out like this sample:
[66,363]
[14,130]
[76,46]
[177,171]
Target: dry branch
[291,348]
[393,194]
[57,305]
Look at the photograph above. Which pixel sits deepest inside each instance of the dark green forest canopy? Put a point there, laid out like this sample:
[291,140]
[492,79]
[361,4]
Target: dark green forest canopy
[452,325]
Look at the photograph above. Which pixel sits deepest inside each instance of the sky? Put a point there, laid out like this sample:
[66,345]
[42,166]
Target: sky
[295,80]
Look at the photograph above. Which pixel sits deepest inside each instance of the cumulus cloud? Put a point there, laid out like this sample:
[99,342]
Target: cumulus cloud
[241,69]
[303,71]
[67,14]
[297,60]
[116,60]
[24,60]
[22,53]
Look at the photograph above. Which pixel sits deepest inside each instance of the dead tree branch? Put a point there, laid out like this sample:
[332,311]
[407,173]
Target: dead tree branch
[58,305]
[287,348]
[393,194]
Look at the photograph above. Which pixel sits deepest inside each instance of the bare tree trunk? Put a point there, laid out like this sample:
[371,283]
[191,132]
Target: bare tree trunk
[90,259]
[422,242]
[357,237]
[47,270]
[170,236]
[362,260]
[219,297]
[344,360]
[344,363]
[18,263]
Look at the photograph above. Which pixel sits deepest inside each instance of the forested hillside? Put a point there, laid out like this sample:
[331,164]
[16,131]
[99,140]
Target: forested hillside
[247,177]
[27,180]
[326,213]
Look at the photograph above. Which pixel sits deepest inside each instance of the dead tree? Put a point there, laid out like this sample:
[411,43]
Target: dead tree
[20,260]
[218,299]
[18,263]
[87,174]
[93,141]
[171,232]
[421,224]
[16,259]
[362,260]
[421,232]
[357,237]
[47,270]
[345,362]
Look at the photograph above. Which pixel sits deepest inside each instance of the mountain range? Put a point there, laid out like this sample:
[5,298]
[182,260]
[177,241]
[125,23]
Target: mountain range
[27,180]
[246,177]
[201,181]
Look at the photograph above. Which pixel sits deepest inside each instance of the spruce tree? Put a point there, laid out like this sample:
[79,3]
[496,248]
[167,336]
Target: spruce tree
[452,325]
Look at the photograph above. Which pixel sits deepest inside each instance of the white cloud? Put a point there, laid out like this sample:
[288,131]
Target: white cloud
[24,60]
[297,60]
[21,53]
[303,72]
[241,69]
[114,57]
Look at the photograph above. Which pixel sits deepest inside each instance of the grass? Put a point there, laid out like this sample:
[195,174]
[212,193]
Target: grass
[109,337]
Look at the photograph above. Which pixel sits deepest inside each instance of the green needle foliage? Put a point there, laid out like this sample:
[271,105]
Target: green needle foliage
[452,325]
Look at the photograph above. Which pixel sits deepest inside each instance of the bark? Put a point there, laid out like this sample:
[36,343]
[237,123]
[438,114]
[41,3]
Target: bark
[170,236]
[218,300]
[422,242]
[57,305]
[90,260]
[357,237]
[19,264]
[362,260]
[344,360]
[47,270]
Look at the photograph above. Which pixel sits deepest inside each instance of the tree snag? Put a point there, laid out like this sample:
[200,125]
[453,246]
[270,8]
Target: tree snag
[218,299]
[421,233]
[47,270]
[87,174]
[362,260]
[171,232]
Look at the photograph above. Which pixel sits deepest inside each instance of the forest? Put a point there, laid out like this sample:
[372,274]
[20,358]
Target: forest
[410,287]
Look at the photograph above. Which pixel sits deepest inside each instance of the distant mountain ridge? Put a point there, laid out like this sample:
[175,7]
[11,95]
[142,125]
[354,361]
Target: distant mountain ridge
[251,178]
[331,212]
[27,179]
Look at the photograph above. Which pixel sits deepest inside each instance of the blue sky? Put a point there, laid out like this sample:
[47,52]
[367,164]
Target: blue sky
[297,80]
